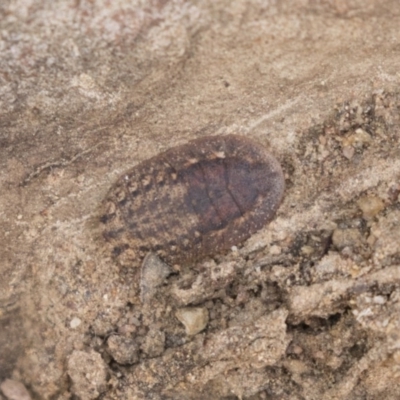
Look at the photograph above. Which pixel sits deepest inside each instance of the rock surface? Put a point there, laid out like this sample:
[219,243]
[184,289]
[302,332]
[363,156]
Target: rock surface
[308,307]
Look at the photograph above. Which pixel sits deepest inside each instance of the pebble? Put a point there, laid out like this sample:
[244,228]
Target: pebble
[348,152]
[153,274]
[75,322]
[342,238]
[275,250]
[307,250]
[194,319]
[379,300]
[14,390]
[362,137]
[370,205]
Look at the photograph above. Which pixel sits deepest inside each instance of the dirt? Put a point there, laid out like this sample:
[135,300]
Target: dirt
[308,307]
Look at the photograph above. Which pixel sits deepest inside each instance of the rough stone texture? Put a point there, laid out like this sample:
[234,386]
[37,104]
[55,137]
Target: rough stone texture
[307,308]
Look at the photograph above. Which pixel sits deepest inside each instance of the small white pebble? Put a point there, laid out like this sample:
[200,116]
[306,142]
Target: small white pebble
[365,313]
[362,136]
[385,322]
[379,300]
[307,250]
[75,322]
[275,250]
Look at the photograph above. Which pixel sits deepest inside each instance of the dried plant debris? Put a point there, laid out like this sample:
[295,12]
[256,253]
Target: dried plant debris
[153,273]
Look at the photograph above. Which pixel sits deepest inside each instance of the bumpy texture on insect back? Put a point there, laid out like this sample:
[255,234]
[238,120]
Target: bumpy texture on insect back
[192,201]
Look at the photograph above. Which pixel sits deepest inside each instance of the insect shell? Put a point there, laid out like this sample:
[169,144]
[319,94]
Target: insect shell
[192,201]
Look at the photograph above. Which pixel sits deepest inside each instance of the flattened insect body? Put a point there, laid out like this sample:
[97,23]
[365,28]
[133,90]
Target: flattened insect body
[194,200]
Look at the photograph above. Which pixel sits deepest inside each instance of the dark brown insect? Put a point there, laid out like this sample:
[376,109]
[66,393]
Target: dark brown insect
[192,201]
